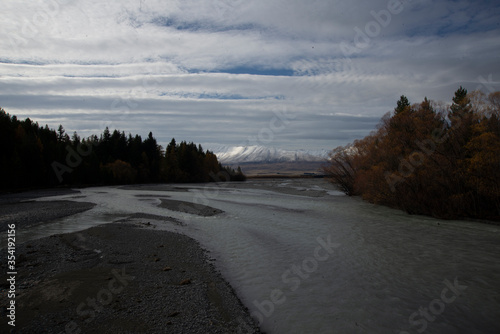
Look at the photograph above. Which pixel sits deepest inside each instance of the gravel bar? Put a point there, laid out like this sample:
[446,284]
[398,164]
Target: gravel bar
[188,207]
[121,278]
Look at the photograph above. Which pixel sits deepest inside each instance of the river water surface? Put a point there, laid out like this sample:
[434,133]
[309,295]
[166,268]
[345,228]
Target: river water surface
[304,258]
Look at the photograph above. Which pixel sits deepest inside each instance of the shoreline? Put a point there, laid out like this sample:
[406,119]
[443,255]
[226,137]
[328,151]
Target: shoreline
[121,277]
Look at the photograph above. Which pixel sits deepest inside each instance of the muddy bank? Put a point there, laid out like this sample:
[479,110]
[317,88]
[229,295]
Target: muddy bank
[121,278]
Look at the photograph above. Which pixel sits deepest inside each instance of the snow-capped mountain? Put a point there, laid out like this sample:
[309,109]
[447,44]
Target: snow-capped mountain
[241,154]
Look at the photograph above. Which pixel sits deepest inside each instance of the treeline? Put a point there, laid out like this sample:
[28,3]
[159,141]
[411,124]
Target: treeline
[33,156]
[430,159]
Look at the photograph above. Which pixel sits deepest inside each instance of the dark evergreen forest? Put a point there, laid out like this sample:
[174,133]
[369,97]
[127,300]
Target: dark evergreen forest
[33,156]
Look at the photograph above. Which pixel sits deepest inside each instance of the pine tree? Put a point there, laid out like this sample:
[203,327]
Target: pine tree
[402,104]
[61,133]
[460,107]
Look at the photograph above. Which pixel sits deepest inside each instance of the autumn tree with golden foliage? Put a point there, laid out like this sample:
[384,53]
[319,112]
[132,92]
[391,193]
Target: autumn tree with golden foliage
[428,159]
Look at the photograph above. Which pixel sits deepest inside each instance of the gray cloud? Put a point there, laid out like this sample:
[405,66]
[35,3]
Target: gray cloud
[216,72]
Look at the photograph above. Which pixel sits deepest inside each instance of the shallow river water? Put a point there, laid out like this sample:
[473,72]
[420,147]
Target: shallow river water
[304,258]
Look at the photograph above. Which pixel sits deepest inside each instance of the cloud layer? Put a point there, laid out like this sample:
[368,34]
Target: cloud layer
[221,72]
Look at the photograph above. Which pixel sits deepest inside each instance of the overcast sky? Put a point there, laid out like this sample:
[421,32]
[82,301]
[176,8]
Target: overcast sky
[294,74]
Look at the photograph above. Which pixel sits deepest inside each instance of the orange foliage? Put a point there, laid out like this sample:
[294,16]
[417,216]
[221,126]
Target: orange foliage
[428,160]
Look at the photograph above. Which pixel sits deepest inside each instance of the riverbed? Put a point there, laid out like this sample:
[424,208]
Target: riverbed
[304,258]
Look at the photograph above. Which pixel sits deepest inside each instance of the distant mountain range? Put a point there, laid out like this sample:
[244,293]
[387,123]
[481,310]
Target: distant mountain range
[262,154]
